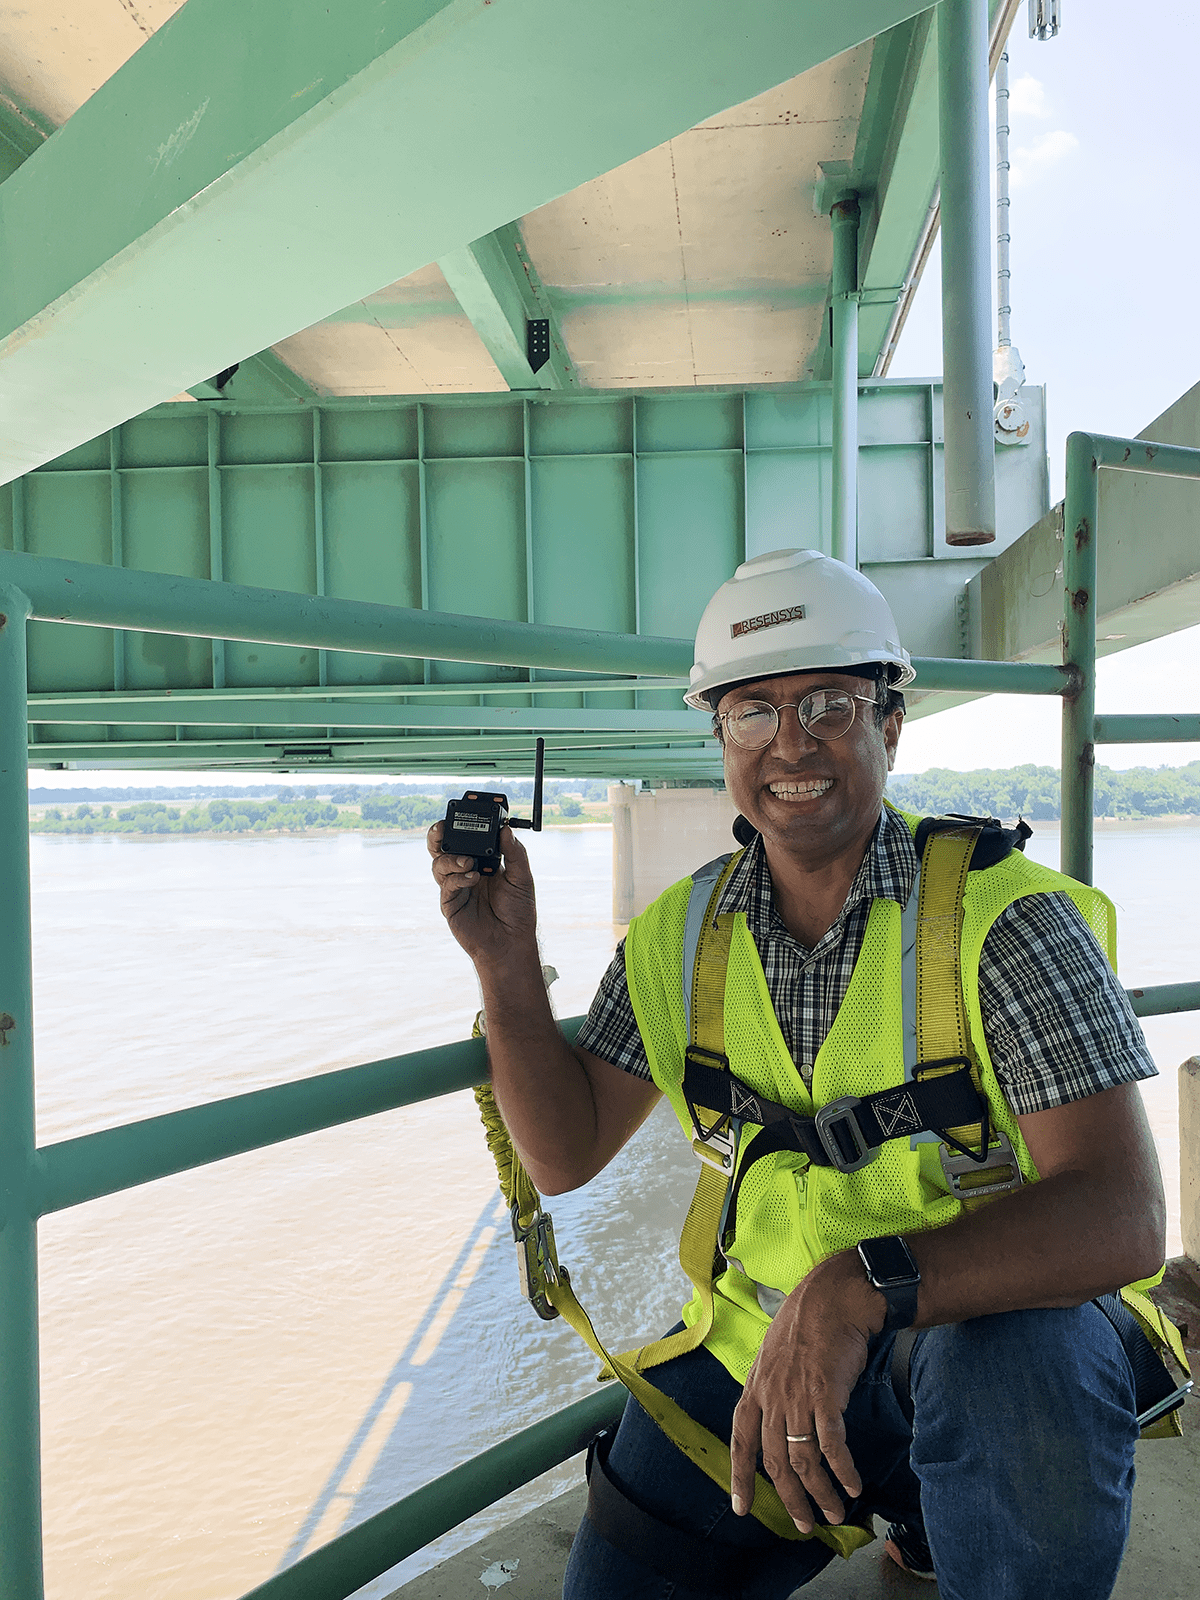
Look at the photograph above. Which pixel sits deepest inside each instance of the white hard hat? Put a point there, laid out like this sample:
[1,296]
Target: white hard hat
[793,611]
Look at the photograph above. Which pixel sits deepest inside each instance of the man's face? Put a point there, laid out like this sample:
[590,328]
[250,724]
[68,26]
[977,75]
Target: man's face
[811,797]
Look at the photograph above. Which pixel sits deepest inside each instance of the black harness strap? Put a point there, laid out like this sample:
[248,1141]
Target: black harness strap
[921,1106]
[844,1134]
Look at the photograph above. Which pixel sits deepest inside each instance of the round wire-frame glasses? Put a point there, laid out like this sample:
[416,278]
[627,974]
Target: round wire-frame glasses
[825,714]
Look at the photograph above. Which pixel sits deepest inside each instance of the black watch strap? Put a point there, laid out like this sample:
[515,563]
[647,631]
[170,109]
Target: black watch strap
[891,1269]
[902,1306]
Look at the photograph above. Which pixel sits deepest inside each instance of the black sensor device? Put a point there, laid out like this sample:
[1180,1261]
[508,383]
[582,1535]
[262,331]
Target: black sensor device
[473,824]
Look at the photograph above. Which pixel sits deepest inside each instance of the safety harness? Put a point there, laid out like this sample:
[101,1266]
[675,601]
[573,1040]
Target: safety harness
[941,1095]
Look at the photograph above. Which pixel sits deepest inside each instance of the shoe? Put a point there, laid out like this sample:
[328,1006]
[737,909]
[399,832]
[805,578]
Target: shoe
[909,1549]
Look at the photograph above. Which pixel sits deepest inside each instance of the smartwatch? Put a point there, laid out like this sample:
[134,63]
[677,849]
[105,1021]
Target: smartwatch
[892,1270]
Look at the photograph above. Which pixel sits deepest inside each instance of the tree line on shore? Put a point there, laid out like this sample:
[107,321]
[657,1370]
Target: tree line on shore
[253,816]
[341,794]
[1029,791]
[1035,792]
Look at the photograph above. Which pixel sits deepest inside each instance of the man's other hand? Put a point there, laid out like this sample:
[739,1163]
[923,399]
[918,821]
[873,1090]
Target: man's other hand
[800,1385]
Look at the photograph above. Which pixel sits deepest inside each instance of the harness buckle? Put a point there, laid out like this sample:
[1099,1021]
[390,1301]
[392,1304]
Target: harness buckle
[537,1261]
[716,1145]
[1000,1157]
[841,1137]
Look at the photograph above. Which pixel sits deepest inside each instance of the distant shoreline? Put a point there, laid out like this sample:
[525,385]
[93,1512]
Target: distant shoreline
[296,833]
[1042,825]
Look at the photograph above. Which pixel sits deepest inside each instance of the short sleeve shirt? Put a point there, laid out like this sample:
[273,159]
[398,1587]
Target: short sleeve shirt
[1057,1023]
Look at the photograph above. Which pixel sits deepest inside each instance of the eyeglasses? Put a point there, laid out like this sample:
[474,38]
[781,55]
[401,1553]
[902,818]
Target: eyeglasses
[825,714]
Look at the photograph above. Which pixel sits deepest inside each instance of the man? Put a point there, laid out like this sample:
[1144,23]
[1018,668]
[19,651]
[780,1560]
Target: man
[1009,1452]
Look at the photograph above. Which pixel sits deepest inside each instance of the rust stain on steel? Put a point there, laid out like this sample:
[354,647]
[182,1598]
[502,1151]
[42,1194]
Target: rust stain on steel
[1079,599]
[1083,533]
[3,619]
[7,1024]
[1087,757]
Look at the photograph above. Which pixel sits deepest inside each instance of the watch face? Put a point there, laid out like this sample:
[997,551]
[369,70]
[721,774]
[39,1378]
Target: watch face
[889,1261]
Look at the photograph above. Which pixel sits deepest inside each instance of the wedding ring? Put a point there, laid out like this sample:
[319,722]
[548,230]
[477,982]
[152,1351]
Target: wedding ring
[800,1438]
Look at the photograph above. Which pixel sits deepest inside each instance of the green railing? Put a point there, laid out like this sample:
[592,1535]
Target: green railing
[34,1182]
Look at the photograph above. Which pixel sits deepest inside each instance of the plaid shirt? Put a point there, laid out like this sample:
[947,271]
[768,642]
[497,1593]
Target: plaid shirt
[1058,1025]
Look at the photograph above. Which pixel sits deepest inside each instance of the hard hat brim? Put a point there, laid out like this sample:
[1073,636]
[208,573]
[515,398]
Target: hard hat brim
[785,663]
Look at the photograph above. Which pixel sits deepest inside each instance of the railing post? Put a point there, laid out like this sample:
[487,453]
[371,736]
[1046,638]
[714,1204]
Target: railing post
[968,407]
[1079,656]
[20,1445]
[844,217]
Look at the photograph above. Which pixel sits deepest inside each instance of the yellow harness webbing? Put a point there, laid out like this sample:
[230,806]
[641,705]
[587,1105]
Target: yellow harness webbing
[942,1032]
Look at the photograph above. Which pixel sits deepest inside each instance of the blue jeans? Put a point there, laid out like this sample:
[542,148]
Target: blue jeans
[1019,1462]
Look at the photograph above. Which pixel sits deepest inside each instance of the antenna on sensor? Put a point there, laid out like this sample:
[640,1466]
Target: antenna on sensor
[539,773]
[473,824]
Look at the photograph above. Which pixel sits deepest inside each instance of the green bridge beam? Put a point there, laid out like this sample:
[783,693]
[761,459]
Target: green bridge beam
[331,694]
[496,286]
[266,713]
[114,597]
[160,227]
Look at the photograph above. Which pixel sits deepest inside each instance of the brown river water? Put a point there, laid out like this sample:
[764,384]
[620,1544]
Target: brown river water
[242,1361]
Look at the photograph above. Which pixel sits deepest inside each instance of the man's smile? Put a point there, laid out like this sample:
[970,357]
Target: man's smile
[800,788]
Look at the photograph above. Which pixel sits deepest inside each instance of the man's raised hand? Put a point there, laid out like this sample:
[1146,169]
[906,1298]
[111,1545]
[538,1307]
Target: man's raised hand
[490,917]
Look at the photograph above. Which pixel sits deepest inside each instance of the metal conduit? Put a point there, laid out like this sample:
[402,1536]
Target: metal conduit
[966,272]
[1003,208]
[844,218]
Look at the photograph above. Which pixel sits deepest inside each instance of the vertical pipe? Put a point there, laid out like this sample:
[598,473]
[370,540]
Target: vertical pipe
[1079,653]
[216,540]
[1003,207]
[20,1450]
[636,518]
[117,516]
[530,593]
[844,217]
[423,520]
[319,534]
[966,272]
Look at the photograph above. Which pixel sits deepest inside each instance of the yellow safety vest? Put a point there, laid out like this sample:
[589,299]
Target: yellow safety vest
[791,1214]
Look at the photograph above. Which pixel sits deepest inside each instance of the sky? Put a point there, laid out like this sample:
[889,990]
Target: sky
[1103,146]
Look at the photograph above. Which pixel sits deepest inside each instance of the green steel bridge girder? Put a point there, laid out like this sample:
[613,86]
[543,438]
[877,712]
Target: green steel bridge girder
[496,285]
[239,140]
[265,713]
